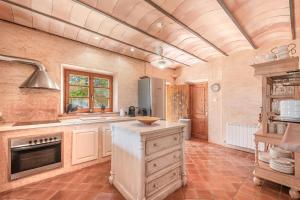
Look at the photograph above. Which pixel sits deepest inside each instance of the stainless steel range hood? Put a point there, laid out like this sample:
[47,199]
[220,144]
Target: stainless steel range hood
[39,79]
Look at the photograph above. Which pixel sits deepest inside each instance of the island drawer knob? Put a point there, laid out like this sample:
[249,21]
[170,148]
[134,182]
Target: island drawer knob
[154,185]
[175,138]
[154,144]
[154,165]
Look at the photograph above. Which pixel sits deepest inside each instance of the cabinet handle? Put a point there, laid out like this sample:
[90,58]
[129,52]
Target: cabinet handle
[154,165]
[154,185]
[175,138]
[154,144]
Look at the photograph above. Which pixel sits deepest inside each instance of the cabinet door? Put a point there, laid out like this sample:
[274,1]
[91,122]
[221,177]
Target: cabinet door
[106,142]
[84,145]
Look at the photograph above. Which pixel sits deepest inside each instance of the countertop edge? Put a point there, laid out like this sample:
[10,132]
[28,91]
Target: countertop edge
[141,130]
[9,127]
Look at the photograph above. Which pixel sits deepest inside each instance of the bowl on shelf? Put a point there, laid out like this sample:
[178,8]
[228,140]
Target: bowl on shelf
[147,120]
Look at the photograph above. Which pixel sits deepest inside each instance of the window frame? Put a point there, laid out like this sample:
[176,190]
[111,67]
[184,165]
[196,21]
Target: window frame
[91,76]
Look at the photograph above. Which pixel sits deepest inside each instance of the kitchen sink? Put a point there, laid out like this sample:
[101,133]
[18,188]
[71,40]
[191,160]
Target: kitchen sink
[93,118]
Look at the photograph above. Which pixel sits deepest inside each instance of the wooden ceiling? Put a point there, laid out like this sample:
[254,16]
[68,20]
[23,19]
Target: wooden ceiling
[190,31]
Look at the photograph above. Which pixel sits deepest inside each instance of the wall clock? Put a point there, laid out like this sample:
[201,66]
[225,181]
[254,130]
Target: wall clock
[216,87]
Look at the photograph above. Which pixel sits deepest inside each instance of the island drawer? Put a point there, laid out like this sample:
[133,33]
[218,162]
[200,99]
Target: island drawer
[162,162]
[158,144]
[162,181]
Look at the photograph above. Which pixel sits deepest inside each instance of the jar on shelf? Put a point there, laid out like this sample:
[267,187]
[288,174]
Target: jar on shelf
[275,106]
[272,127]
[281,127]
[290,90]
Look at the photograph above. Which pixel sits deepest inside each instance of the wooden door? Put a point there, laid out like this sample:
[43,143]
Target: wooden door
[199,111]
[178,102]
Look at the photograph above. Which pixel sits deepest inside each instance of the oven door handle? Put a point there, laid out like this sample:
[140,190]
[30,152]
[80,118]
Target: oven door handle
[34,146]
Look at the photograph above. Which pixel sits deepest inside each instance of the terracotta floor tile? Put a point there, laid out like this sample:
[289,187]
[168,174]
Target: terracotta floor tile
[204,194]
[214,172]
[39,194]
[67,194]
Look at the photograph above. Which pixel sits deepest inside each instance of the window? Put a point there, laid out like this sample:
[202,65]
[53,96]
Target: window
[89,91]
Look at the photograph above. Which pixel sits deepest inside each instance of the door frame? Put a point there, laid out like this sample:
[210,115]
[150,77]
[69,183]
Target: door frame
[190,102]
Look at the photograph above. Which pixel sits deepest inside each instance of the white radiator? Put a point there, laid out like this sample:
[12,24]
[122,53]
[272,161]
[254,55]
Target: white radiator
[241,135]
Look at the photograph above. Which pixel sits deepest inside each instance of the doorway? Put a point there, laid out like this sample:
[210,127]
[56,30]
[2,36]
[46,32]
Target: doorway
[199,110]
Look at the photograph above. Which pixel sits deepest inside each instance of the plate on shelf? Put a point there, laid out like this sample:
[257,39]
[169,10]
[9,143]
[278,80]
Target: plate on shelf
[282,170]
[276,152]
[284,161]
[288,169]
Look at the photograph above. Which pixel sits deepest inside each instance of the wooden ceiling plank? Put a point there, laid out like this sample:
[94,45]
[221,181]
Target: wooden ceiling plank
[83,28]
[236,22]
[138,29]
[292,16]
[1,20]
[169,15]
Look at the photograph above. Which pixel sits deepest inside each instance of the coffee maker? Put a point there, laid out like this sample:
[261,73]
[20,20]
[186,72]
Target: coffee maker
[131,111]
[142,112]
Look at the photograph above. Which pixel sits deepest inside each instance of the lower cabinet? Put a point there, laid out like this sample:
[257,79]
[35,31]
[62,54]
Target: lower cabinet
[84,145]
[106,142]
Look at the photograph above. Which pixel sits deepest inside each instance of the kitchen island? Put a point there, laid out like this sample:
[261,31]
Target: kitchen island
[147,161]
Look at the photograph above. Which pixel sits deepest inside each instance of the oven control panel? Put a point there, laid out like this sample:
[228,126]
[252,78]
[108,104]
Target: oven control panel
[28,141]
[42,140]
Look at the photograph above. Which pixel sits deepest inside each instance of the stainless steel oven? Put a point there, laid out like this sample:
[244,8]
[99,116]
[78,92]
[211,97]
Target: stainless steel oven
[32,155]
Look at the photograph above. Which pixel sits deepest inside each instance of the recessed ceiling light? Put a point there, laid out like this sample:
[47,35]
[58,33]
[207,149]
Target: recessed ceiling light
[159,24]
[97,38]
[132,49]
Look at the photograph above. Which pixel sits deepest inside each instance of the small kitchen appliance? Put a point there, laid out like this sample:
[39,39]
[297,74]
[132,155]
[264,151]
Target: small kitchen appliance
[131,111]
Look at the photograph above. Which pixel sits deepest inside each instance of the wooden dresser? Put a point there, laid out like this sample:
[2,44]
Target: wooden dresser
[147,161]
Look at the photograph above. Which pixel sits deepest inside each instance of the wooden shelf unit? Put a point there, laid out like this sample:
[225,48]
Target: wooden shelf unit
[281,96]
[272,72]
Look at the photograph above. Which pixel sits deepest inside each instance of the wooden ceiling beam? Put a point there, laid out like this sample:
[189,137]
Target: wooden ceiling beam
[169,15]
[137,29]
[99,34]
[292,18]
[236,22]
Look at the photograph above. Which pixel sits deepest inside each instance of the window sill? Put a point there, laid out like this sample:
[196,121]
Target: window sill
[93,114]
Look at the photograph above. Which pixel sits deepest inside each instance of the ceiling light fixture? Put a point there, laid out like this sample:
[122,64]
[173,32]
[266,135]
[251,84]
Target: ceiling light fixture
[132,49]
[161,63]
[97,38]
[159,25]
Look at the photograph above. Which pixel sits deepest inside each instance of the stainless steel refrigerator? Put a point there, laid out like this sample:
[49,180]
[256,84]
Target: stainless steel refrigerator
[152,96]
